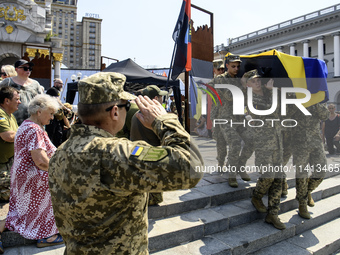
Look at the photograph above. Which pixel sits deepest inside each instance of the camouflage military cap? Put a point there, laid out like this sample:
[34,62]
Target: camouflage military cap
[103,87]
[251,75]
[218,63]
[233,58]
[152,91]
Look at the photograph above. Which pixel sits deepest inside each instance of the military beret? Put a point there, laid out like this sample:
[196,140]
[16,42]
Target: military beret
[103,87]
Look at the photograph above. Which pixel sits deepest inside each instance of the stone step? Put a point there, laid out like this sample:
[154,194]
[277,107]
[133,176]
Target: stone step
[186,227]
[213,190]
[256,235]
[206,209]
[321,240]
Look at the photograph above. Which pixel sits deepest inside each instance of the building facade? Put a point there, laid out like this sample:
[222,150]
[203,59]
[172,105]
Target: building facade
[315,35]
[24,27]
[81,40]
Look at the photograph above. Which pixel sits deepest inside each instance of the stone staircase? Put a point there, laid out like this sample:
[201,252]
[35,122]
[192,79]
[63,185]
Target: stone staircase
[227,223]
[213,218]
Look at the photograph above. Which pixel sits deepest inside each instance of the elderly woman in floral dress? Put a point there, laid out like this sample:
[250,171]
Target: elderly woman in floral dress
[30,208]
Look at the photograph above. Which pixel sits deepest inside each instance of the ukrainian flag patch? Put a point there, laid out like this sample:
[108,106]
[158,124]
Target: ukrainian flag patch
[2,119]
[137,151]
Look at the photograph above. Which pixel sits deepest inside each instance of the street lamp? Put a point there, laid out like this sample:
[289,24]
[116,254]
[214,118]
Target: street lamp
[79,76]
[73,77]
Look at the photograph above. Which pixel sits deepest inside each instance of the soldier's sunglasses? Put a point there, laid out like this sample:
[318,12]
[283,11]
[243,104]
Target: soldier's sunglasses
[26,68]
[127,106]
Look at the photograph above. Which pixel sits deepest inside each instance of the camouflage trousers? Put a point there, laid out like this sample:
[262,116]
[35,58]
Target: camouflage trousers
[270,182]
[155,198]
[317,166]
[238,156]
[287,152]
[221,145]
[5,179]
[268,157]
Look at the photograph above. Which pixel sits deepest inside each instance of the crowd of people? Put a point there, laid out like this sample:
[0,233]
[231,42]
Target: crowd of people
[89,185]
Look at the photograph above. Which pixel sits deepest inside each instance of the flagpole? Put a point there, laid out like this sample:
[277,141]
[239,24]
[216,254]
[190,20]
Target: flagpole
[170,69]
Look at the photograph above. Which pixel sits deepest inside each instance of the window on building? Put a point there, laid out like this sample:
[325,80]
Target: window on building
[296,53]
[66,37]
[92,24]
[92,41]
[309,51]
[324,49]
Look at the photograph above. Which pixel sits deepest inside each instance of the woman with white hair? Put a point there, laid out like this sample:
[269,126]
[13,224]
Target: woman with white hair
[7,71]
[30,208]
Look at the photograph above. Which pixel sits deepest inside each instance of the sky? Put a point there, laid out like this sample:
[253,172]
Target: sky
[142,29]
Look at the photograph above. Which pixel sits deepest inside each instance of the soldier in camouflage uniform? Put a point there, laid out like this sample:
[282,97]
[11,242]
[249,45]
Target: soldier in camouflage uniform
[99,183]
[233,135]
[308,149]
[140,132]
[268,149]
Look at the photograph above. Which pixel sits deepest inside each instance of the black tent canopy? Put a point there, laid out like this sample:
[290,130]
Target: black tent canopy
[136,74]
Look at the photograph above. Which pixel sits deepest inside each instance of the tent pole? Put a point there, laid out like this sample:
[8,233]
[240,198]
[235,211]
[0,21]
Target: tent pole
[186,101]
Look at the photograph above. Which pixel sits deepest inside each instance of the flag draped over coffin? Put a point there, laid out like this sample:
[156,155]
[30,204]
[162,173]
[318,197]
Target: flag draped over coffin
[290,71]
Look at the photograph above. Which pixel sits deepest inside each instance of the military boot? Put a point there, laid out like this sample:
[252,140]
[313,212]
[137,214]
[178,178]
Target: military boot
[258,204]
[244,176]
[284,189]
[275,220]
[303,212]
[232,180]
[310,200]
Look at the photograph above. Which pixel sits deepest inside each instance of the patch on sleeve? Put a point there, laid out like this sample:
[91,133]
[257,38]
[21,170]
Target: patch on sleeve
[137,151]
[155,154]
[2,119]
